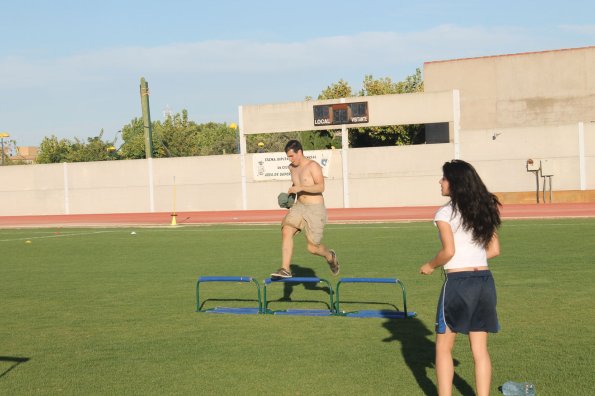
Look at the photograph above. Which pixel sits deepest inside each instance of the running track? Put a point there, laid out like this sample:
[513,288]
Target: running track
[392,214]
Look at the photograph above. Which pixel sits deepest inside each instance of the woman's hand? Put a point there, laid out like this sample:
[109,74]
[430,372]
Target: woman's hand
[426,269]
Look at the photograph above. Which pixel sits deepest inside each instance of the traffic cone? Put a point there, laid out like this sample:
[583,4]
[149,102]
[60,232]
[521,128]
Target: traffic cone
[173,219]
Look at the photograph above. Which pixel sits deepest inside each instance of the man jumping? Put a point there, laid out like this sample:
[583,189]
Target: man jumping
[308,214]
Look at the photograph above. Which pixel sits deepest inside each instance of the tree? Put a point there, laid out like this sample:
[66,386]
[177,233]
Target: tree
[385,86]
[94,149]
[340,89]
[178,136]
[214,138]
[134,140]
[52,150]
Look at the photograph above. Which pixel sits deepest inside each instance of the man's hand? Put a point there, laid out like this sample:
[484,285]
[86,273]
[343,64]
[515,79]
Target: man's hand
[294,190]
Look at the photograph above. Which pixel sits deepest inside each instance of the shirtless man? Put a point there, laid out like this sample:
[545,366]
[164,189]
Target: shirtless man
[307,214]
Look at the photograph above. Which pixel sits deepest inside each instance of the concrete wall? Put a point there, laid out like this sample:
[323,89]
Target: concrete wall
[589,149]
[503,160]
[378,177]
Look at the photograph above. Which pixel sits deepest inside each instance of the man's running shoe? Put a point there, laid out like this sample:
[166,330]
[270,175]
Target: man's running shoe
[281,273]
[334,263]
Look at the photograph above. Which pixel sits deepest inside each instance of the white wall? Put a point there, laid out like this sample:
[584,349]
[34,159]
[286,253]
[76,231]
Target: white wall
[378,177]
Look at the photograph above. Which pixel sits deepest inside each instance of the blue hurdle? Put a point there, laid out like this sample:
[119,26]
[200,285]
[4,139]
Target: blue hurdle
[228,310]
[368,313]
[299,312]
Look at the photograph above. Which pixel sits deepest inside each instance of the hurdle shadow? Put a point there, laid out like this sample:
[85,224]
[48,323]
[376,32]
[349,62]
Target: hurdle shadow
[419,353]
[302,272]
[305,272]
[15,362]
[209,300]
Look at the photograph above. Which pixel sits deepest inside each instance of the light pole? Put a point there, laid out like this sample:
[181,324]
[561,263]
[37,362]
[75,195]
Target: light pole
[2,136]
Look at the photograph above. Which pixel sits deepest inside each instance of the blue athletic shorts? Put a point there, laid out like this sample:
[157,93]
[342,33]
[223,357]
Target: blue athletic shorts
[467,303]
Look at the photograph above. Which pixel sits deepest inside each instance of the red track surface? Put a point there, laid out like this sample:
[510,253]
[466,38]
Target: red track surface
[393,214]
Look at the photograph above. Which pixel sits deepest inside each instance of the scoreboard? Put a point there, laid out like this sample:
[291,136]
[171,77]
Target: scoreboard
[341,113]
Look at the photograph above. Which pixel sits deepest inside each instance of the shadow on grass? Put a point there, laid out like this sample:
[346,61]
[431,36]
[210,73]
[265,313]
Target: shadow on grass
[302,272]
[288,288]
[208,300]
[419,353]
[15,362]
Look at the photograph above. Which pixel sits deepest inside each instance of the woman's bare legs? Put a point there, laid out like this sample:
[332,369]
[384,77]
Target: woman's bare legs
[483,364]
[445,369]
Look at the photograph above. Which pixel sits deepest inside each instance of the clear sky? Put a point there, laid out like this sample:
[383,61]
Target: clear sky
[70,68]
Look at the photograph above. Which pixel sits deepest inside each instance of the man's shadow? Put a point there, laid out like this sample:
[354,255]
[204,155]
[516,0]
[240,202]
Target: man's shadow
[419,353]
[15,362]
[302,272]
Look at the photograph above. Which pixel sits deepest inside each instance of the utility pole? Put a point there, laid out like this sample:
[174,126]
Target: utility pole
[148,130]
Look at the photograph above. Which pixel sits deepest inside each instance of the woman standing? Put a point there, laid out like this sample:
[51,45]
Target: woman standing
[467,226]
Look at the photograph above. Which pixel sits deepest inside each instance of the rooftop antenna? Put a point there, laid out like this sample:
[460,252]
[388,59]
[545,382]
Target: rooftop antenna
[167,112]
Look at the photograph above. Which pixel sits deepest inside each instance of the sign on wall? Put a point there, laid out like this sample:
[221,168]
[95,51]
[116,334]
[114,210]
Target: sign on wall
[274,166]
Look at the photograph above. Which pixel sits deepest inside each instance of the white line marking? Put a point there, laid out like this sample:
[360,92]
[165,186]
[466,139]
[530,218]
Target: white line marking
[57,235]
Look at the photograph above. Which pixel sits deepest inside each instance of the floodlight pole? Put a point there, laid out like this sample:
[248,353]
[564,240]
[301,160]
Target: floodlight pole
[144,99]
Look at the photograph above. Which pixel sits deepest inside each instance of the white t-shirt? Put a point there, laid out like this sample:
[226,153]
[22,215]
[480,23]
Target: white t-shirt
[467,252]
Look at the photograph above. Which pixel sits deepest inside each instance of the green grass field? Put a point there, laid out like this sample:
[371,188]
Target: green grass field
[101,311]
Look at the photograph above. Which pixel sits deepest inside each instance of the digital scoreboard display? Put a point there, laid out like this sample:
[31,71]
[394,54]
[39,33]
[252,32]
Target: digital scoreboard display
[341,113]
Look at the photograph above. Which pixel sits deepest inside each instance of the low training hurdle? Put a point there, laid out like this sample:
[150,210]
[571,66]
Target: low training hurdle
[227,310]
[368,313]
[300,312]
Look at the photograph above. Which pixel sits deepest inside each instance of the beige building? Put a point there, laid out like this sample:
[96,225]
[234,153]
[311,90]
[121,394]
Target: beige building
[26,154]
[519,90]
[533,97]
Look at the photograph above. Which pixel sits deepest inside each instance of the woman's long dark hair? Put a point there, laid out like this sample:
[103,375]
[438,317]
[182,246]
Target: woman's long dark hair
[479,209]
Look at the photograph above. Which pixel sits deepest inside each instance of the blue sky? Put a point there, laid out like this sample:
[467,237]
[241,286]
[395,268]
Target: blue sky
[72,68]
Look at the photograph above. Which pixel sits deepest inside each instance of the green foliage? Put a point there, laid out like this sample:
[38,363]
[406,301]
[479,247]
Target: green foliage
[340,89]
[385,86]
[52,150]
[178,136]
[94,149]
[134,140]
[175,137]
[214,138]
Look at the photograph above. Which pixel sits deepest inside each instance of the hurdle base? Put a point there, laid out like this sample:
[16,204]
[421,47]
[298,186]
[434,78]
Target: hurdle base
[300,312]
[230,310]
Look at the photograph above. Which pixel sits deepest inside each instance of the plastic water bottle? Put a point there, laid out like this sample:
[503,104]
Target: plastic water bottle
[511,388]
